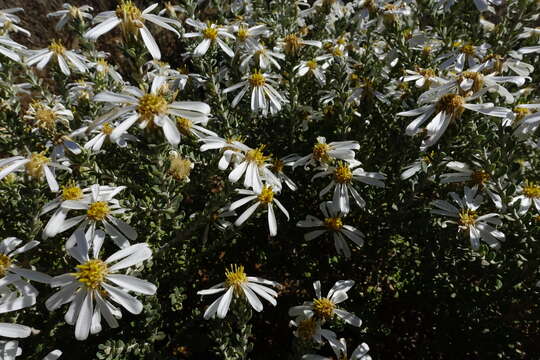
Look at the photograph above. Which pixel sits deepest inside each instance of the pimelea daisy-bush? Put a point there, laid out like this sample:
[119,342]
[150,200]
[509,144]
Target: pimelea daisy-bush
[155,152]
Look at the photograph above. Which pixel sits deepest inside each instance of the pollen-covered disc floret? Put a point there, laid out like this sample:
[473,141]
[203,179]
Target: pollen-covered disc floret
[235,278]
[323,308]
[130,16]
[333,223]
[98,210]
[92,273]
[467,217]
[320,152]
[72,192]
[257,79]
[151,105]
[343,174]
[34,167]
[267,195]
[531,190]
[5,263]
[451,104]
[57,48]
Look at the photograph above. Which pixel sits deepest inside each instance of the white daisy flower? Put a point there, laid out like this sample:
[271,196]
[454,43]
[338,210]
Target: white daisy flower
[10,48]
[132,23]
[48,117]
[100,208]
[529,195]
[152,108]
[96,286]
[324,153]
[9,350]
[343,176]
[239,285]
[231,149]
[313,68]
[332,223]
[263,95]
[64,57]
[211,33]
[423,78]
[279,164]
[265,197]
[254,168]
[448,107]
[467,218]
[103,69]
[263,58]
[291,44]
[171,10]
[528,119]
[340,349]
[246,35]
[309,329]
[9,21]
[501,64]
[324,308]
[8,15]
[476,176]
[421,164]
[102,134]
[37,166]
[70,192]
[70,12]
[9,270]
[462,55]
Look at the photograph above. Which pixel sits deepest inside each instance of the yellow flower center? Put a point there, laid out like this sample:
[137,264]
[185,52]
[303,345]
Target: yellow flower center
[451,104]
[92,273]
[151,105]
[242,33]
[323,308]
[521,112]
[531,191]
[292,44]
[333,223]
[71,193]
[75,12]
[34,167]
[180,168]
[336,51]
[107,129]
[477,78]
[467,217]
[343,174]
[311,64]
[45,118]
[468,49]
[257,79]
[427,73]
[184,125]
[426,50]
[480,177]
[57,47]
[130,15]
[5,263]
[98,210]
[320,152]
[267,195]
[306,328]
[210,33]
[257,156]
[235,278]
